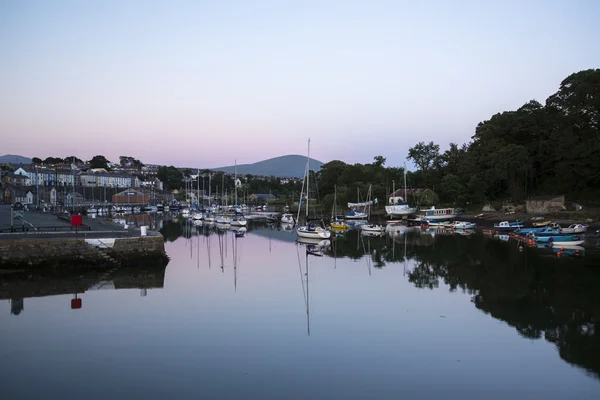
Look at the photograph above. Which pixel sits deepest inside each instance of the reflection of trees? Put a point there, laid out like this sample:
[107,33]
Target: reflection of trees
[424,276]
[539,296]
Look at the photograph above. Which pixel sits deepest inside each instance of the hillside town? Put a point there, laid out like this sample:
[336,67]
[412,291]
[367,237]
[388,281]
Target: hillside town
[54,183]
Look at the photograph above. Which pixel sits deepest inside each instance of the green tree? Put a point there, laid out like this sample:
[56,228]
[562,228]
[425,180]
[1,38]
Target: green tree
[73,160]
[171,177]
[99,161]
[130,162]
[36,161]
[423,155]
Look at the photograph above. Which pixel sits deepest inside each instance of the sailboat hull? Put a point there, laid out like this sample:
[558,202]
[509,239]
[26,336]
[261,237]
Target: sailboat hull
[319,233]
[400,211]
[356,215]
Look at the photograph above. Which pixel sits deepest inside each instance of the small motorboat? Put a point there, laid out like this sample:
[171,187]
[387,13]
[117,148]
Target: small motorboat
[338,226]
[560,241]
[463,225]
[542,223]
[287,219]
[575,228]
[508,226]
[443,224]
[372,228]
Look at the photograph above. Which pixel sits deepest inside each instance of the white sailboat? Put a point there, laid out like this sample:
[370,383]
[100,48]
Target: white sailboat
[287,219]
[309,231]
[353,213]
[403,209]
[238,219]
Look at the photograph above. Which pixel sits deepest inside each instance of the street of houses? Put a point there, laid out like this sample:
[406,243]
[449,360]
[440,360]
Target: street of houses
[67,185]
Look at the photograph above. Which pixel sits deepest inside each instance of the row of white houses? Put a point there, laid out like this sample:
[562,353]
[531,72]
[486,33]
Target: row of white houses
[49,177]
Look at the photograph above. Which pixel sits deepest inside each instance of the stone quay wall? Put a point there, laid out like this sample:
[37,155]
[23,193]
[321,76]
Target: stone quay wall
[36,253]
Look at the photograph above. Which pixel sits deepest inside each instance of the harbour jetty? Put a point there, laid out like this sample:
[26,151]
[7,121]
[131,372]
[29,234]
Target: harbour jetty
[44,240]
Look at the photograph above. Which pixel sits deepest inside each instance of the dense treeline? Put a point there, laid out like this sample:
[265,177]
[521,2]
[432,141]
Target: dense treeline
[535,150]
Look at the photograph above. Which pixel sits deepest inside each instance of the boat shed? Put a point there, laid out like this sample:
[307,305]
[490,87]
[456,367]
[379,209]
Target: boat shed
[130,196]
[261,196]
[545,204]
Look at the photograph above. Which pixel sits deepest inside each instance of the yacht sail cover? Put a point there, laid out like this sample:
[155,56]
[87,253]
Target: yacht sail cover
[365,204]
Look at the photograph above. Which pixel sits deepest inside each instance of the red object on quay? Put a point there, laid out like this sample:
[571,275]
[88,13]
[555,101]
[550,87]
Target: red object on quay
[76,219]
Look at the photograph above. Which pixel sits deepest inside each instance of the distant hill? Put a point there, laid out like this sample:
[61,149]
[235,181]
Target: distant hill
[14,159]
[291,166]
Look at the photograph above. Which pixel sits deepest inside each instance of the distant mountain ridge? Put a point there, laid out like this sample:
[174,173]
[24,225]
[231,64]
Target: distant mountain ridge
[14,159]
[290,166]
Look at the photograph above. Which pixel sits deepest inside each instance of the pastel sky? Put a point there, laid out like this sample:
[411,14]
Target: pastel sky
[201,83]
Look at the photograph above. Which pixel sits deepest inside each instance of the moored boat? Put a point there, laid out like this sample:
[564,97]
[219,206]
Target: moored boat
[287,219]
[352,214]
[437,214]
[400,210]
[372,228]
[463,225]
[313,232]
[559,241]
[434,223]
[223,219]
[338,226]
[238,220]
[310,231]
[508,226]
[575,228]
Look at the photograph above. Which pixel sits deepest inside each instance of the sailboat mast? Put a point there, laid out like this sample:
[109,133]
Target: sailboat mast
[405,198]
[235,181]
[307,178]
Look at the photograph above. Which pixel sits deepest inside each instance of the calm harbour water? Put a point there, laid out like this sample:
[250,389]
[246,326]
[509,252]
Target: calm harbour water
[404,316]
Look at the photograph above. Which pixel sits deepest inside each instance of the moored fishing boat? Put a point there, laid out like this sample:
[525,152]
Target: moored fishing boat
[554,241]
[508,226]
[547,231]
[575,228]
[525,231]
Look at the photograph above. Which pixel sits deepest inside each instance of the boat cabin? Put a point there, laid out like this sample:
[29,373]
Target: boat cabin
[436,212]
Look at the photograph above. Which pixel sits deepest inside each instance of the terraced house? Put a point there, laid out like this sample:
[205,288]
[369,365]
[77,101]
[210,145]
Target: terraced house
[44,176]
[108,180]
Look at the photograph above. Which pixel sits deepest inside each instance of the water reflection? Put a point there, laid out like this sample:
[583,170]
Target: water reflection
[538,294]
[366,307]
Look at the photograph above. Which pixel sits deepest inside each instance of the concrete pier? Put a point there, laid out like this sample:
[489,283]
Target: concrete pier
[46,241]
